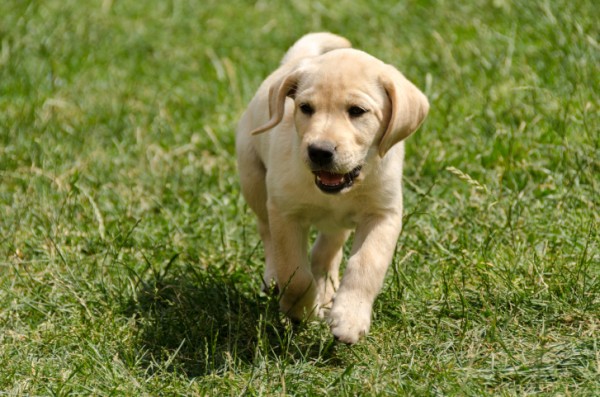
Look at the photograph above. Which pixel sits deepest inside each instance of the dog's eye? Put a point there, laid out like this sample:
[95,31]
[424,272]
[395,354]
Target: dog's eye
[306,109]
[356,111]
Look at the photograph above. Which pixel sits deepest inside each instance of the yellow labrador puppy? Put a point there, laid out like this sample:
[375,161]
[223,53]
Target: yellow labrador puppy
[320,145]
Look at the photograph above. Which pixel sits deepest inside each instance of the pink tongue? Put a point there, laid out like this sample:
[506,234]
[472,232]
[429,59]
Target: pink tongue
[329,179]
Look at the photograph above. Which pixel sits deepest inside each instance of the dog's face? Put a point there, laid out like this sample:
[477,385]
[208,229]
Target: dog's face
[340,112]
[348,108]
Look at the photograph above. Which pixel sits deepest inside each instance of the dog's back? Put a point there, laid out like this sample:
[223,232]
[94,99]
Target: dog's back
[314,44]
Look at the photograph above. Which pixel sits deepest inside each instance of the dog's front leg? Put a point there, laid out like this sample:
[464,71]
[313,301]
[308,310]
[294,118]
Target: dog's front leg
[295,281]
[372,251]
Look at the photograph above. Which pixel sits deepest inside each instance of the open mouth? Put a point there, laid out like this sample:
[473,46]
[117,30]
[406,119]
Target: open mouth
[330,182]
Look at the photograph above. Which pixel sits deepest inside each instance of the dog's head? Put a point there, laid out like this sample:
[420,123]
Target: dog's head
[348,108]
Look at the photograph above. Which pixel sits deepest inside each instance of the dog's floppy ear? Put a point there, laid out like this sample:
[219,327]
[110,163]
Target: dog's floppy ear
[409,106]
[278,92]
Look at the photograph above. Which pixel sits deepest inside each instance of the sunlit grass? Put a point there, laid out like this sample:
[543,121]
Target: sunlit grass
[130,265]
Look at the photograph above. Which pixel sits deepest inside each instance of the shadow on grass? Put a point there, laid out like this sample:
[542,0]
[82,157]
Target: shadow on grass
[203,322]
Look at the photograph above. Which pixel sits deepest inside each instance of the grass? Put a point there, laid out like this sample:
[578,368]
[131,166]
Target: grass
[130,265]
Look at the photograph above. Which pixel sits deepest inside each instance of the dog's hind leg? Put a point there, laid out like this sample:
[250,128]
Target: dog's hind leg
[252,178]
[326,256]
[270,274]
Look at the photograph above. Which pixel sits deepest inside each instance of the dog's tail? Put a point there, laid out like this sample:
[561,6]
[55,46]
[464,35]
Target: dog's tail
[314,44]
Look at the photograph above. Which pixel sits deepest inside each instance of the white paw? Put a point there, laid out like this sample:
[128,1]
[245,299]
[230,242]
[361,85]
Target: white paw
[349,319]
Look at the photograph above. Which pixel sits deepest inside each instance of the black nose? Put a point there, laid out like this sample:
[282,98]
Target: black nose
[321,153]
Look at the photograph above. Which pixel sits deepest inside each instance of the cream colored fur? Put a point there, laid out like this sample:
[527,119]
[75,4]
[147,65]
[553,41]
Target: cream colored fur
[322,72]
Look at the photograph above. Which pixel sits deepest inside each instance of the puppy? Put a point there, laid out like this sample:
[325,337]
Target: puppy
[320,145]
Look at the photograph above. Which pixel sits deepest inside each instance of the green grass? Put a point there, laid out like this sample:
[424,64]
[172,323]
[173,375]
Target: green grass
[130,265]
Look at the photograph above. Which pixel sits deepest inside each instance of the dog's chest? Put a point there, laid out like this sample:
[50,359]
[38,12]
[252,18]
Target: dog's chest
[327,218]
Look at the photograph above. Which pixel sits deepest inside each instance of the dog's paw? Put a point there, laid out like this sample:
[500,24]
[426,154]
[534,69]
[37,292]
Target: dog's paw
[349,320]
[270,288]
[301,307]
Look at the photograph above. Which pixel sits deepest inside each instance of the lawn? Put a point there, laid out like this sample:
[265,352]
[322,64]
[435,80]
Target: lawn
[130,264]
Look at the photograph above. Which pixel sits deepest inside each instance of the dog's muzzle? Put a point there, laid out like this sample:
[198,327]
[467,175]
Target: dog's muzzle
[322,159]
[330,182]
